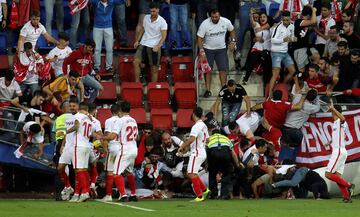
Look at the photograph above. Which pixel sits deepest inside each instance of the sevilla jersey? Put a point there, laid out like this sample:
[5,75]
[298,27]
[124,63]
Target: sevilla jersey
[127,131]
[200,132]
[109,126]
[85,130]
[69,123]
[338,134]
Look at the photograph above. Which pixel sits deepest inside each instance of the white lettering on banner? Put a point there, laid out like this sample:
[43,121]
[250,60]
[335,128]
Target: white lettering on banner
[357,126]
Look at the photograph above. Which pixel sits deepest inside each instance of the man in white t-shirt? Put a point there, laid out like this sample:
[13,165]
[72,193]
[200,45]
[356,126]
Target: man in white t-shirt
[31,32]
[126,130]
[9,88]
[197,143]
[3,13]
[59,53]
[33,133]
[323,24]
[212,46]
[149,41]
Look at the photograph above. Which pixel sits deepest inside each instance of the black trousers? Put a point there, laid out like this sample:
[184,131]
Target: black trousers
[219,161]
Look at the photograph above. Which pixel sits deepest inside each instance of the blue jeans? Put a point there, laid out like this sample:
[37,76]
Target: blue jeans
[49,9]
[107,35]
[203,8]
[91,82]
[295,180]
[244,22]
[119,16]
[179,15]
[229,112]
[32,87]
[85,19]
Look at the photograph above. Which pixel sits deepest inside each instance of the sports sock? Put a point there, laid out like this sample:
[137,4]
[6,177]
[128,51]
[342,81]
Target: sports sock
[94,174]
[109,184]
[77,183]
[64,179]
[339,180]
[344,191]
[202,185]
[120,184]
[196,187]
[131,181]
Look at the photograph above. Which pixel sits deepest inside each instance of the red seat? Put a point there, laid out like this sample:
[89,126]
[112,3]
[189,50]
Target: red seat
[161,118]
[158,95]
[133,93]
[281,86]
[4,62]
[163,68]
[126,69]
[102,115]
[139,115]
[182,68]
[109,92]
[183,118]
[185,94]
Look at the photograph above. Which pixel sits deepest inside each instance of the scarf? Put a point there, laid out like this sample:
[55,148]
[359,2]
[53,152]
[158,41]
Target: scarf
[77,5]
[295,8]
[202,67]
[337,15]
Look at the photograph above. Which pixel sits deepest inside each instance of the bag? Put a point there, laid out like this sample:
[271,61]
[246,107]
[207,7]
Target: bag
[14,16]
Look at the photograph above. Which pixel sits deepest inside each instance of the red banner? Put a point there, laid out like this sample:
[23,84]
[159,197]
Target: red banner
[317,133]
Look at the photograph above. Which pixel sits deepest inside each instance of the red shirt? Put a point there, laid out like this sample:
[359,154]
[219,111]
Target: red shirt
[275,112]
[316,84]
[80,62]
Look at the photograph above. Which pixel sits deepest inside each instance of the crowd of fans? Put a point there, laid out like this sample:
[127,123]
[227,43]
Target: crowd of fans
[312,48]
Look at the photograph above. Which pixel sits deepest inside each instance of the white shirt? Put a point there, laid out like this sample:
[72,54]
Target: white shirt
[2,2]
[152,34]
[31,33]
[264,34]
[86,128]
[200,132]
[114,144]
[69,123]
[36,138]
[127,131]
[255,159]
[61,54]
[278,33]
[338,134]
[8,92]
[330,23]
[214,34]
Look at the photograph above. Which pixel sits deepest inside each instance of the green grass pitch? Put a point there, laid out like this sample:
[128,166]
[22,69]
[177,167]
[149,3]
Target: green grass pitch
[181,208]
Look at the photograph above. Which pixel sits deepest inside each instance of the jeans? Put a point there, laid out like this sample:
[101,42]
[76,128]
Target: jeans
[119,16]
[179,15]
[84,15]
[91,82]
[107,35]
[244,22]
[295,180]
[32,87]
[229,112]
[49,8]
[203,9]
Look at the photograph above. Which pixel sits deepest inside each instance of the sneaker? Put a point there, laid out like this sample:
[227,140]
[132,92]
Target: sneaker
[110,70]
[206,193]
[93,191]
[107,198]
[66,193]
[186,44]
[173,44]
[207,94]
[347,200]
[124,198]
[83,197]
[351,190]
[133,198]
[244,82]
[74,198]
[197,199]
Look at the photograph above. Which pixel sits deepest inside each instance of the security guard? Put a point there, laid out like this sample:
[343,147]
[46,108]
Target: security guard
[220,155]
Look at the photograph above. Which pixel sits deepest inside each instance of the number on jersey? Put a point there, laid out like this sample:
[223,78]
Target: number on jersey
[87,129]
[131,133]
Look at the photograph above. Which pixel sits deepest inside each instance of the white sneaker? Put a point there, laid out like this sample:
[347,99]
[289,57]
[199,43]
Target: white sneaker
[107,198]
[83,197]
[66,193]
[74,198]
[94,193]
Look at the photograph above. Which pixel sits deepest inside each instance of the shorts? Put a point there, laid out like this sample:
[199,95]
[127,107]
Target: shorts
[110,160]
[124,161]
[248,123]
[278,58]
[337,161]
[148,56]
[219,56]
[195,163]
[66,156]
[301,56]
[144,7]
[81,157]
[265,178]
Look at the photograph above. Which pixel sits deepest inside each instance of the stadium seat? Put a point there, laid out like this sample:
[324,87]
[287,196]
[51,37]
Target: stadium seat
[161,118]
[158,95]
[102,115]
[109,92]
[185,95]
[262,8]
[126,69]
[163,68]
[42,44]
[182,68]
[183,118]
[274,7]
[281,86]
[133,93]
[4,62]
[139,115]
